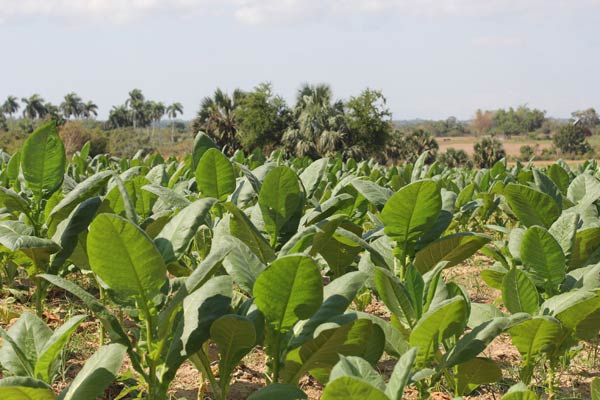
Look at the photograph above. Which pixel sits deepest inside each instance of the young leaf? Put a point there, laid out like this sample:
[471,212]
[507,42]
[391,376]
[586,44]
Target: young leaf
[214,175]
[97,373]
[53,347]
[411,212]
[43,160]
[519,293]
[278,391]
[531,207]
[133,266]
[350,388]
[289,290]
[543,257]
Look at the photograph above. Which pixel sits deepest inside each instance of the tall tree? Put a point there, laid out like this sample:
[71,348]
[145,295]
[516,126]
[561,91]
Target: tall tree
[368,120]
[119,117]
[319,128]
[137,105]
[11,106]
[34,107]
[262,118]
[217,118]
[157,111]
[72,106]
[172,111]
[89,110]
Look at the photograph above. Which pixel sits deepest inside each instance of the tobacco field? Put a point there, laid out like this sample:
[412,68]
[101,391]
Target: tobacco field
[336,274]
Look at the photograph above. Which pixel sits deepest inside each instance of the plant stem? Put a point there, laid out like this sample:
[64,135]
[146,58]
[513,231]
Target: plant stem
[276,349]
[39,297]
[103,300]
[201,361]
[550,381]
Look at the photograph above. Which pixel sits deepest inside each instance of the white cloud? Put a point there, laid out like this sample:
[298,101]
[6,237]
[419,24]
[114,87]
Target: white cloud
[272,11]
[498,41]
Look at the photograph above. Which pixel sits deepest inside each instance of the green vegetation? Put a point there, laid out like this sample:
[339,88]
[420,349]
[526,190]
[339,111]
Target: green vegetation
[210,258]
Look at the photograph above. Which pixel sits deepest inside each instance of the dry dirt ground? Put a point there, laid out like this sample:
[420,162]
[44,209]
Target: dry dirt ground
[573,379]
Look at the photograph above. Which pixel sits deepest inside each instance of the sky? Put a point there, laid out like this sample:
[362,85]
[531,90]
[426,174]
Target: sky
[431,58]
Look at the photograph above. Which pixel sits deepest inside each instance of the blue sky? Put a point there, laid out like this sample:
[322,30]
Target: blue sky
[431,58]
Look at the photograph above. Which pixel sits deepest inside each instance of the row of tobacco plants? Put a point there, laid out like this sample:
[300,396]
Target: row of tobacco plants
[284,256]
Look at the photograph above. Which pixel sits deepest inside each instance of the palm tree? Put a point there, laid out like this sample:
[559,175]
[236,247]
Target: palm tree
[52,111]
[488,152]
[11,106]
[88,109]
[172,111]
[320,127]
[72,106]
[118,117]
[217,118]
[136,103]
[34,107]
[157,111]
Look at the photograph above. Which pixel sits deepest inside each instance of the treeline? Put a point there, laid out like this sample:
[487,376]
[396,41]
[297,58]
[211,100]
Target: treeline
[317,124]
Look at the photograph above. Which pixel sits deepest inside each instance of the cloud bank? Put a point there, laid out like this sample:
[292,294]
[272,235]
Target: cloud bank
[256,12]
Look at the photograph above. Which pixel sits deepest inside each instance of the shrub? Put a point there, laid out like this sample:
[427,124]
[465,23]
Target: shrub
[571,140]
[488,152]
[74,135]
[455,158]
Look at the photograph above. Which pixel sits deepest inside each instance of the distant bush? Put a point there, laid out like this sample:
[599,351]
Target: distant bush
[571,140]
[455,158]
[488,152]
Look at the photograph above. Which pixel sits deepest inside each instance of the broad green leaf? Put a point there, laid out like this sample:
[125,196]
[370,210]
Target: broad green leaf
[201,308]
[374,193]
[241,227]
[446,320]
[242,264]
[585,248]
[545,185]
[359,368]
[168,196]
[12,201]
[473,343]
[319,355]
[175,237]
[401,375]
[88,188]
[411,212]
[481,313]
[577,310]
[531,207]
[396,297]
[543,258]
[280,200]
[46,362]
[72,231]
[519,293]
[452,248]
[133,266]
[312,175]
[350,388]
[9,392]
[564,230]
[24,342]
[534,337]
[559,176]
[108,320]
[128,198]
[98,372]
[202,143]
[16,236]
[475,372]
[337,297]
[289,290]
[520,392]
[235,336]
[43,160]
[584,190]
[278,391]
[215,175]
